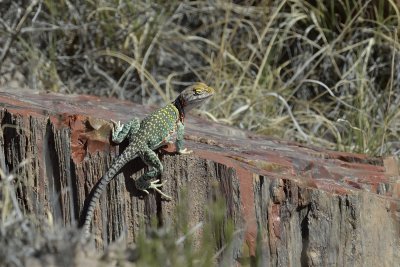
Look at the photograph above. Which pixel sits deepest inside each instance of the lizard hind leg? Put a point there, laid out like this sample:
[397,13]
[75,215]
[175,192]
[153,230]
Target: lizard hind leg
[143,183]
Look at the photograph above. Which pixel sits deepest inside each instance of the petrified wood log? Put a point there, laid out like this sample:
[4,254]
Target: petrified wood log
[306,205]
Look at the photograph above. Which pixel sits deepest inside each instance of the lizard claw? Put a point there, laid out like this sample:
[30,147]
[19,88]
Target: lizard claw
[155,185]
[185,151]
[115,123]
[117,126]
[144,190]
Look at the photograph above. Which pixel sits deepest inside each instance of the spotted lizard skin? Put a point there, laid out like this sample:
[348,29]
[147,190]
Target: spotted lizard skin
[159,128]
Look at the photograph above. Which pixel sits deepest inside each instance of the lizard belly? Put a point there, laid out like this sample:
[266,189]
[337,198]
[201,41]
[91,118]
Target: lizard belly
[170,137]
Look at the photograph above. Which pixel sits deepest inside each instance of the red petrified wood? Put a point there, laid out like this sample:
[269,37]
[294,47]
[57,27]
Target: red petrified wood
[306,205]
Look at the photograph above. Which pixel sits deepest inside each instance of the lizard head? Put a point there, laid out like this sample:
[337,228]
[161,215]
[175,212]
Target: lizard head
[195,95]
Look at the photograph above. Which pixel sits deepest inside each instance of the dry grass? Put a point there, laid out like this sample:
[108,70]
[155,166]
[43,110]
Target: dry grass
[28,239]
[320,72]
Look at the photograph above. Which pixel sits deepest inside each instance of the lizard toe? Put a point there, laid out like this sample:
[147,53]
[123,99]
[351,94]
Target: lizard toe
[185,151]
[155,185]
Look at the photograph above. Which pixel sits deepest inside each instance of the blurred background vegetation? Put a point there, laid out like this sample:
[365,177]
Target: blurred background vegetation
[320,72]
[325,73]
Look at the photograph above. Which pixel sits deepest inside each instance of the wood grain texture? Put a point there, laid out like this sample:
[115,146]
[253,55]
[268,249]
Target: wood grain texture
[303,205]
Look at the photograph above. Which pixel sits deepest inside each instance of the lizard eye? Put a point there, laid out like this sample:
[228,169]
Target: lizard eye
[198,91]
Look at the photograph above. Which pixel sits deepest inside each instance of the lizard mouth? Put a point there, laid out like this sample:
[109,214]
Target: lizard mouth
[203,99]
[197,102]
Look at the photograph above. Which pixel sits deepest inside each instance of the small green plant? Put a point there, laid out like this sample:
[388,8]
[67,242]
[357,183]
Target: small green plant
[176,246]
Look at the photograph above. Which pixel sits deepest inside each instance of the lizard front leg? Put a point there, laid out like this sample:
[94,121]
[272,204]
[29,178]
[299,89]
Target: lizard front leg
[179,139]
[151,159]
[121,131]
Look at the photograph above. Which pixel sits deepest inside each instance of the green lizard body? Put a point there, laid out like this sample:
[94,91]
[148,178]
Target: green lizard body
[154,131]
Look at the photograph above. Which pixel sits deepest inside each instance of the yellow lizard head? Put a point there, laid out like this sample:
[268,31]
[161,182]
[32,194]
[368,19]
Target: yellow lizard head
[195,95]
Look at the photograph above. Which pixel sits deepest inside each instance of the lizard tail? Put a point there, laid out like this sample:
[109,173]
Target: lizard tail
[94,195]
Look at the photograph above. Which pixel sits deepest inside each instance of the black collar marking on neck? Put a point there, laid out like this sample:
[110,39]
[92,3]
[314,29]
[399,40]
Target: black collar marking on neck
[179,104]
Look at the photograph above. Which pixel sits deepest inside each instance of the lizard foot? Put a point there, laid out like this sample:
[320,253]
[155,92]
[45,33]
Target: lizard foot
[185,151]
[117,127]
[155,185]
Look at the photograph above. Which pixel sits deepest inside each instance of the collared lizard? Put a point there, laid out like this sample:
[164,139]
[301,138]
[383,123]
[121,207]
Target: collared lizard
[154,131]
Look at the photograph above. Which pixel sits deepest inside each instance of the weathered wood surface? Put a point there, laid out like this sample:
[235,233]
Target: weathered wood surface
[309,206]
